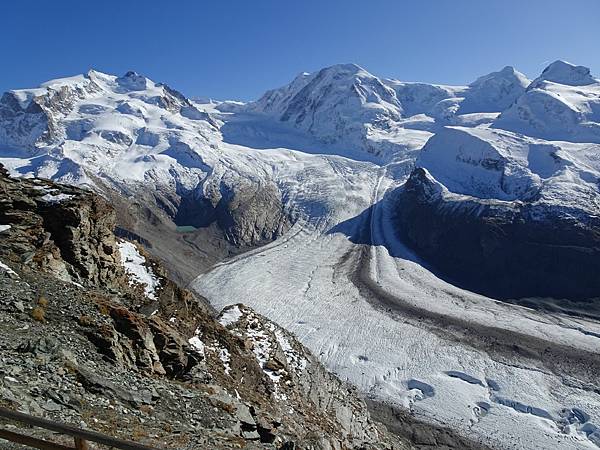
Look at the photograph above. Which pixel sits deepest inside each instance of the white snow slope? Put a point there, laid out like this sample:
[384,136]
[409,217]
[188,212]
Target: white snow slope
[335,143]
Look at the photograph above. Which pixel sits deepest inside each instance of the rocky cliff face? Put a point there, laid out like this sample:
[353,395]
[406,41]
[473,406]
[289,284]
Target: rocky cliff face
[499,248]
[93,332]
[189,231]
[59,229]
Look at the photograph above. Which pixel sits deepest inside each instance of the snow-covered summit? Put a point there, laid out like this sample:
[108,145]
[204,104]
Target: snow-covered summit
[496,164]
[563,72]
[90,107]
[494,92]
[508,73]
[346,104]
[562,104]
[334,103]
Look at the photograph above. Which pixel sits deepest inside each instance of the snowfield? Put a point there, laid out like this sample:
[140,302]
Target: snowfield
[337,144]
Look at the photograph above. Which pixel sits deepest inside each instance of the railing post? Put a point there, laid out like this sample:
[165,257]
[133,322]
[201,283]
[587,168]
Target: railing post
[82,436]
[81,444]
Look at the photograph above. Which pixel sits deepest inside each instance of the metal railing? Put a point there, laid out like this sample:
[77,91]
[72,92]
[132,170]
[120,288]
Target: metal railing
[80,436]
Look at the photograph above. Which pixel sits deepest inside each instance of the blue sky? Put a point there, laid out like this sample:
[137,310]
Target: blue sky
[239,48]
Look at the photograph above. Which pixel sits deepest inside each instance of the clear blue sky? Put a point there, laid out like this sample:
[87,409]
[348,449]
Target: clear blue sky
[239,48]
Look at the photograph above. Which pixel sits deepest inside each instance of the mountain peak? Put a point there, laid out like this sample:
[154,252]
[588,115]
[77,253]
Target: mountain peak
[92,73]
[332,104]
[342,70]
[348,67]
[495,91]
[563,72]
[508,73]
[132,81]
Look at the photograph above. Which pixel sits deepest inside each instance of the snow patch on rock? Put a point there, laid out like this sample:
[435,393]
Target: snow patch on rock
[195,341]
[230,315]
[56,198]
[135,266]
[7,269]
[225,358]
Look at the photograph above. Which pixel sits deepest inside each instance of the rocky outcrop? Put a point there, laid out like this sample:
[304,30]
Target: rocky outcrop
[248,214]
[503,249]
[61,229]
[252,215]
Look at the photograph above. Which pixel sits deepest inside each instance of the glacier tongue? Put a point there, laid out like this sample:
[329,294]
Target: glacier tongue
[379,318]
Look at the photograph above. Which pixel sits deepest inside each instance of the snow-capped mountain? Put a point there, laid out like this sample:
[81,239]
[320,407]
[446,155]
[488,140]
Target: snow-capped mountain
[338,104]
[494,92]
[426,178]
[129,135]
[147,146]
[563,72]
[497,164]
[522,206]
[80,108]
[490,93]
[348,105]
[506,214]
[112,123]
[562,104]
[516,159]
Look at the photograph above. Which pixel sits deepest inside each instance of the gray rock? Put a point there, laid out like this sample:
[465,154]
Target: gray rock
[8,395]
[250,435]
[51,406]
[243,414]
[100,385]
